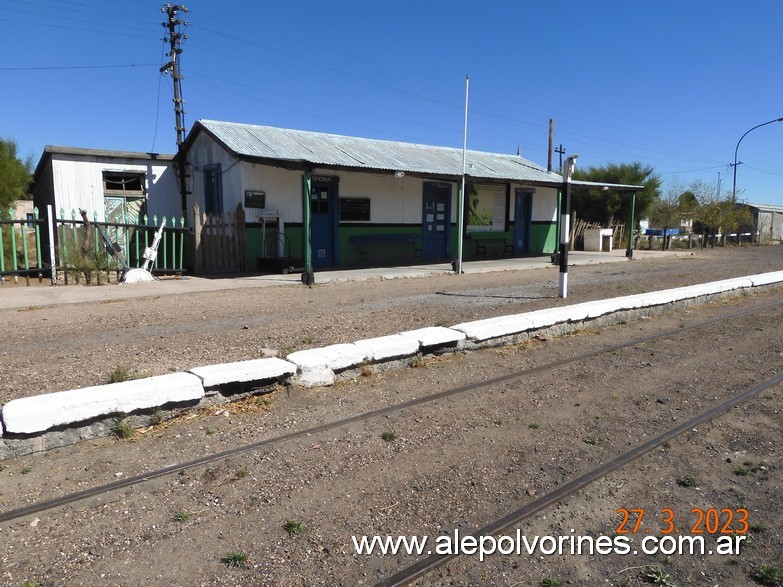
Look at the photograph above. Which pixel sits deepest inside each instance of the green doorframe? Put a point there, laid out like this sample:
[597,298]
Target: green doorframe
[629,250]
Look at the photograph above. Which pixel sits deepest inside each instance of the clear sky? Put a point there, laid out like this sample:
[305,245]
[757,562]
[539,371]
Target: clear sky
[671,83]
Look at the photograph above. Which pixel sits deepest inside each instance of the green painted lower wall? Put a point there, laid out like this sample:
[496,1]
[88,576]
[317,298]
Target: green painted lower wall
[255,243]
[543,238]
[377,253]
[542,241]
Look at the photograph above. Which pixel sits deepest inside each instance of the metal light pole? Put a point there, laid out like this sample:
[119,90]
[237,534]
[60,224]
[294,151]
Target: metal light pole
[734,188]
[565,230]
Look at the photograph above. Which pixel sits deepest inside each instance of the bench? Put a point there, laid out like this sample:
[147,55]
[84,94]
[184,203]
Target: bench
[493,239]
[364,241]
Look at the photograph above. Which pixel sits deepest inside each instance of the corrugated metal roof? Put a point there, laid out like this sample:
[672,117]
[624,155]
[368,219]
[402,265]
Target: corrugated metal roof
[337,151]
[767,208]
[52,150]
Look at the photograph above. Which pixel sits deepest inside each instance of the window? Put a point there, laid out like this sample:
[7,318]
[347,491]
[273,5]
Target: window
[213,189]
[123,183]
[319,199]
[355,209]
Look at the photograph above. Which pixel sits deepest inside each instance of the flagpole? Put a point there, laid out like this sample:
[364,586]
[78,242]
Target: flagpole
[461,195]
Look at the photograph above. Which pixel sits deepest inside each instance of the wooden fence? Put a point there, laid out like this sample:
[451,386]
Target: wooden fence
[220,242]
[578,227]
[78,252]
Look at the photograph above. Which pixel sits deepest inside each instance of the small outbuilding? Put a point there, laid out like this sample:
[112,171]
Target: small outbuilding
[111,186]
[767,221]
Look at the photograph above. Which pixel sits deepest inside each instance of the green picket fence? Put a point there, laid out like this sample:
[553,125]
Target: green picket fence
[80,253]
[20,246]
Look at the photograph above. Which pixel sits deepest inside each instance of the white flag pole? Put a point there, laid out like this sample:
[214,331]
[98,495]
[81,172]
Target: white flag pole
[461,198]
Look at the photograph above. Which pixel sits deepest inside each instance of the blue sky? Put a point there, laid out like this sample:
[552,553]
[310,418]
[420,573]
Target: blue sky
[673,84]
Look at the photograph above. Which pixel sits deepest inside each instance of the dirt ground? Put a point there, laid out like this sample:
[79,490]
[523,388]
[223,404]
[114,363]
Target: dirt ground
[458,462]
[54,348]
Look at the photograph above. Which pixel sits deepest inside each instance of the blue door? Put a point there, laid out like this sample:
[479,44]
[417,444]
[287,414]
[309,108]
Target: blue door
[435,222]
[323,220]
[523,206]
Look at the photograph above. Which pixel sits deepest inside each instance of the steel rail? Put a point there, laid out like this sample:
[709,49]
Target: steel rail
[432,562]
[74,497]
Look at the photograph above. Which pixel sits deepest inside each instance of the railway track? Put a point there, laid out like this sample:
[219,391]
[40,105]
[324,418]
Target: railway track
[425,566]
[428,564]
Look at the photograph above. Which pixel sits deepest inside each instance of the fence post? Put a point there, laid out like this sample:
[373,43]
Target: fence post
[2,251]
[38,243]
[25,252]
[196,239]
[50,226]
[241,239]
[14,262]
[181,243]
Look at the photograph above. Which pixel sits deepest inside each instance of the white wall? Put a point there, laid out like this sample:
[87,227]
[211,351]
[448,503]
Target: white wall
[544,205]
[392,200]
[204,151]
[78,183]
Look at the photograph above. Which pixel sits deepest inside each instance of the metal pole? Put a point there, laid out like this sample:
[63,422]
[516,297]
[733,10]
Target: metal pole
[734,188]
[629,250]
[50,223]
[565,230]
[461,195]
[307,277]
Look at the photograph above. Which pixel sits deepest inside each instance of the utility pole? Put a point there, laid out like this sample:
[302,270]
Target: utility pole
[175,38]
[561,151]
[551,144]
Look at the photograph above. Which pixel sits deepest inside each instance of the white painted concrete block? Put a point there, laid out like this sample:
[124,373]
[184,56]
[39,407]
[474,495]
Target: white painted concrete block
[598,308]
[633,302]
[389,347]
[494,327]
[39,413]
[315,377]
[766,278]
[335,357]
[244,371]
[434,336]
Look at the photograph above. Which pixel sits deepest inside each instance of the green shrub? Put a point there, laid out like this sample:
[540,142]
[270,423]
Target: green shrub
[769,575]
[235,558]
[294,527]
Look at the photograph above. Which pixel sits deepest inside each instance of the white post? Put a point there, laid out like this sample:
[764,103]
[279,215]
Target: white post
[565,229]
[461,198]
[50,222]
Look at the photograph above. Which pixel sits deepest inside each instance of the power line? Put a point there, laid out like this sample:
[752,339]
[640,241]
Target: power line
[60,67]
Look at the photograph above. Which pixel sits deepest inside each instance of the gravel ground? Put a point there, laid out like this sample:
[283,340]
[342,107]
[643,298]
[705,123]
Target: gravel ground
[54,348]
[452,463]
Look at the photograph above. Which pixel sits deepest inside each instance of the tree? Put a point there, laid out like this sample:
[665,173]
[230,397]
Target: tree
[15,174]
[688,202]
[603,206]
[669,210]
[717,214]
